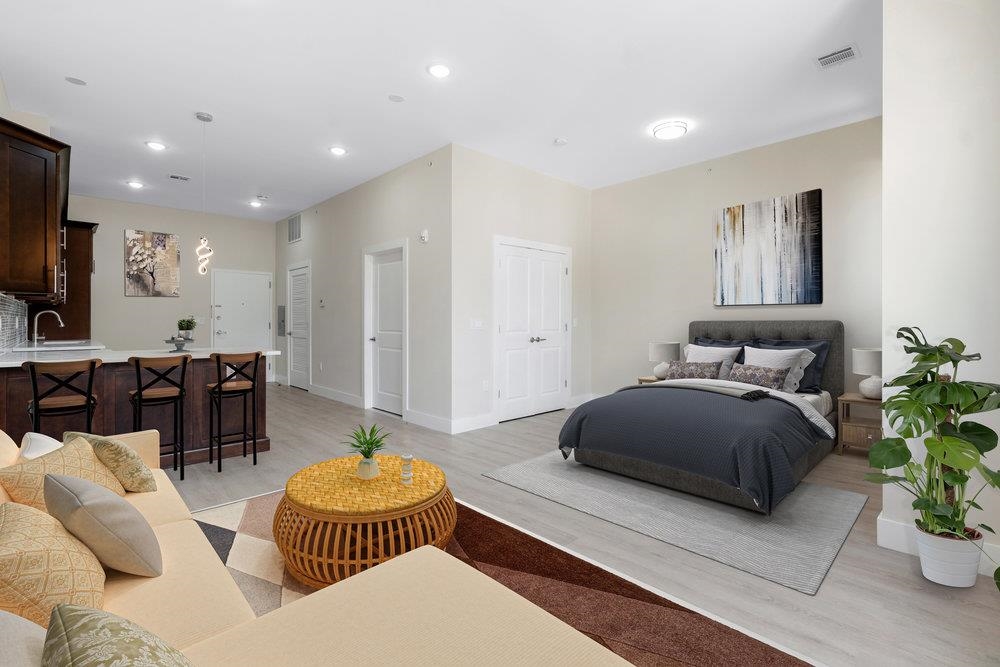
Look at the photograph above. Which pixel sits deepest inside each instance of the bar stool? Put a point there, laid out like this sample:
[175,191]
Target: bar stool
[64,396]
[161,389]
[236,377]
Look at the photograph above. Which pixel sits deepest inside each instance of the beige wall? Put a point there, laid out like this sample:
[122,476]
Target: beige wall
[125,323]
[398,204]
[941,230]
[492,197]
[653,240]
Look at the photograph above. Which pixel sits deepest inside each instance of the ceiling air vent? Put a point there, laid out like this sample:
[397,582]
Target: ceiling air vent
[849,52]
[294,228]
[178,177]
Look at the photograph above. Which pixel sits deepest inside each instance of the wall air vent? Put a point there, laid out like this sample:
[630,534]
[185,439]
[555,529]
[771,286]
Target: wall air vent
[838,57]
[178,177]
[294,228]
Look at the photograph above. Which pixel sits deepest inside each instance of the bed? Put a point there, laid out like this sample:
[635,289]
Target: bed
[707,440]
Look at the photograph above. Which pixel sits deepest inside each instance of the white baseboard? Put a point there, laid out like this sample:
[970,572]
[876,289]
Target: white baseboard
[426,420]
[901,536]
[464,424]
[281,379]
[580,399]
[336,395]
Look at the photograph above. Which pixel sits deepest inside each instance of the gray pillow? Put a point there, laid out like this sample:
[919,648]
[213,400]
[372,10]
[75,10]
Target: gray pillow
[116,532]
[22,641]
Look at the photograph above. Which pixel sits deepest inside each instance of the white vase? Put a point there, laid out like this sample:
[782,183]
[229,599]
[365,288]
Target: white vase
[871,387]
[368,468]
[185,334]
[951,562]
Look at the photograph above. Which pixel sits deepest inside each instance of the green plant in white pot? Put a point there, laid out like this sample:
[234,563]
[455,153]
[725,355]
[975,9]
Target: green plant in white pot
[185,326]
[934,405]
[366,443]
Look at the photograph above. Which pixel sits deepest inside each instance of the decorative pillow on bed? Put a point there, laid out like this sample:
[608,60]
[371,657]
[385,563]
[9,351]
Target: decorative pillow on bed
[720,342]
[813,375]
[680,370]
[726,355]
[762,376]
[793,359]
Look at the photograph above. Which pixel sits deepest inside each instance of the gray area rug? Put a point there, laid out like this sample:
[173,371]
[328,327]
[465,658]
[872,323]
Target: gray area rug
[794,547]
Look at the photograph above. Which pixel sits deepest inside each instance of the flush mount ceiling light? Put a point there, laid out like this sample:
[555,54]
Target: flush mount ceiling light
[75,81]
[135,185]
[559,142]
[439,71]
[664,130]
[156,145]
[256,204]
[396,98]
[339,151]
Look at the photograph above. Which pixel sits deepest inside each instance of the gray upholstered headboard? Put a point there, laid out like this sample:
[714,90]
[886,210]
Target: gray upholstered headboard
[832,330]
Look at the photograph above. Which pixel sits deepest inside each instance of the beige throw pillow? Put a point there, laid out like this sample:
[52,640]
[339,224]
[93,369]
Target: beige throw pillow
[122,460]
[9,452]
[25,481]
[116,532]
[42,565]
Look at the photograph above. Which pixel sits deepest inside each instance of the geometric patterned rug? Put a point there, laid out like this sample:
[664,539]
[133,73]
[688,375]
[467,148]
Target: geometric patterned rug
[635,623]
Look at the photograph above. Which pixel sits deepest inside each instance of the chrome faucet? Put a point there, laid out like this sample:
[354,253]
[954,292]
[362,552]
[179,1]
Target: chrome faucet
[51,312]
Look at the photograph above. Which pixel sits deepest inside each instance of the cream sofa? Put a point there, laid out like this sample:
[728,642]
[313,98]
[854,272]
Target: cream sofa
[425,607]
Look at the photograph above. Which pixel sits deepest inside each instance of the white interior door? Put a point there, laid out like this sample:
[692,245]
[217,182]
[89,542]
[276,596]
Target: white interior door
[533,331]
[241,311]
[387,331]
[298,332]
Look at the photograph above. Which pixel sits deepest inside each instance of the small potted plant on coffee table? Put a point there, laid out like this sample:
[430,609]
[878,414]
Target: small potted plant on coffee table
[933,405]
[185,326]
[366,443]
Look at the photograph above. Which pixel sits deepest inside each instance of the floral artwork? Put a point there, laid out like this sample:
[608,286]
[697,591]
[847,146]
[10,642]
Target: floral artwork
[152,264]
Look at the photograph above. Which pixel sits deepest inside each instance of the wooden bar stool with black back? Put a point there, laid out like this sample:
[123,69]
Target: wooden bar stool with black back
[157,384]
[60,388]
[236,377]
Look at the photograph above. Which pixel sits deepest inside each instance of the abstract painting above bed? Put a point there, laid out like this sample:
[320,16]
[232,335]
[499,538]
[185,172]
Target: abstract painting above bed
[770,252]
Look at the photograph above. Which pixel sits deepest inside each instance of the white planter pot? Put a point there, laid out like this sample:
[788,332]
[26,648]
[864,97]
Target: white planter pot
[186,334]
[368,468]
[947,561]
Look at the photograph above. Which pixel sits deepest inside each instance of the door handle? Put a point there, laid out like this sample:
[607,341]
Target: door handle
[539,340]
[220,332]
[532,339]
[372,339]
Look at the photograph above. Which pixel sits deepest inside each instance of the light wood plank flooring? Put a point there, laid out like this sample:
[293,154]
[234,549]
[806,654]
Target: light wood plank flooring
[873,608]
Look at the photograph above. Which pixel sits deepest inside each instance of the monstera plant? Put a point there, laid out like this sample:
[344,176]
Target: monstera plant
[933,404]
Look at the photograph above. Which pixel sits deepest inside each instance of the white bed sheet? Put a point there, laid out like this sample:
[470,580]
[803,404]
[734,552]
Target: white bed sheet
[822,401]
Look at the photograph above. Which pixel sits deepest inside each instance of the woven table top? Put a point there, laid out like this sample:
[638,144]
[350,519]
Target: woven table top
[333,487]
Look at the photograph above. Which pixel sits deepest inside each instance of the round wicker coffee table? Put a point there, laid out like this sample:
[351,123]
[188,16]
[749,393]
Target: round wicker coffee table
[331,524]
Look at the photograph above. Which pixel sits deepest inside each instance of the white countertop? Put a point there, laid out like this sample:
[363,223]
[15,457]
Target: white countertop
[15,359]
[59,346]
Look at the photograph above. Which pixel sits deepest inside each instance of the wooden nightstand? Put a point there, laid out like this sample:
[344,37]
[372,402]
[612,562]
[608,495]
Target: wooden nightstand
[648,379]
[859,422]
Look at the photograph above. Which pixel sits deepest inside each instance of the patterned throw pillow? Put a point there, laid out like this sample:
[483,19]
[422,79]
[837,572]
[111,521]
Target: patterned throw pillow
[122,460]
[42,565]
[25,481]
[679,370]
[84,637]
[771,378]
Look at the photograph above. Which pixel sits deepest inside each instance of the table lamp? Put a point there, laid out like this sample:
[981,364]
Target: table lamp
[663,353]
[868,361]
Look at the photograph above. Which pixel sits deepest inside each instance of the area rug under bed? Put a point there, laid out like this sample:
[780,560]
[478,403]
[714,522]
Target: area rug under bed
[795,546]
[635,623]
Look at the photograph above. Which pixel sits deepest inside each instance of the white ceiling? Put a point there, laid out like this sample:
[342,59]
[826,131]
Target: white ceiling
[286,80]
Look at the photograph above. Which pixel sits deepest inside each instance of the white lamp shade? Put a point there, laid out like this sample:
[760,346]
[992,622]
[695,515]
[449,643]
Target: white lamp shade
[664,351]
[867,361]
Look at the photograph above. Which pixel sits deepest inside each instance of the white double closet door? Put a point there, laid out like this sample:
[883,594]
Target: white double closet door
[532,314]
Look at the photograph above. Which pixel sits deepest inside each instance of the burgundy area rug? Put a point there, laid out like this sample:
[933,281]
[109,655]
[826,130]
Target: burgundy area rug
[635,623]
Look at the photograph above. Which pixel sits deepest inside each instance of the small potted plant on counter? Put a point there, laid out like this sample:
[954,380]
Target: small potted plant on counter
[185,327]
[367,443]
[933,405]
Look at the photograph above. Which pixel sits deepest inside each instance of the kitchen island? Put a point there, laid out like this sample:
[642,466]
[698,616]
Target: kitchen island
[114,379]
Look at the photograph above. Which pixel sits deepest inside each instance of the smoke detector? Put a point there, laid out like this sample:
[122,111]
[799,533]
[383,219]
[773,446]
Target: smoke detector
[838,57]
[204,116]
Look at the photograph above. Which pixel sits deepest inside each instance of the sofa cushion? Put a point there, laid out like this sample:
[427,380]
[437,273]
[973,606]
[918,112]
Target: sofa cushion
[122,460]
[83,637]
[34,445]
[195,597]
[162,506]
[42,565]
[110,527]
[25,481]
[9,452]
[22,641]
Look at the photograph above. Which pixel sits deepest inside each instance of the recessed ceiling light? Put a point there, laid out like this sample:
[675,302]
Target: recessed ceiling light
[439,71]
[397,98]
[256,204]
[339,151]
[75,81]
[665,130]
[156,145]
[559,142]
[135,185]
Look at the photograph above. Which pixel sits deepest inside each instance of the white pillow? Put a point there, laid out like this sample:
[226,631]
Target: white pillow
[9,452]
[34,445]
[695,354]
[795,359]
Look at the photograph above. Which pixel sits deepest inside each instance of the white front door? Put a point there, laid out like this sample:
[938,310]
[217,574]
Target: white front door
[387,331]
[298,327]
[241,311]
[532,304]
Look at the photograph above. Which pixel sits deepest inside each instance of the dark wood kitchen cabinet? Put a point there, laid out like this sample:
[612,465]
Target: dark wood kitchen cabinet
[76,270]
[34,193]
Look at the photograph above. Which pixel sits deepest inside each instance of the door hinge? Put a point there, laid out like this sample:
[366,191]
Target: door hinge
[268,284]
[565,383]
[268,326]
[565,326]
[498,393]
[567,271]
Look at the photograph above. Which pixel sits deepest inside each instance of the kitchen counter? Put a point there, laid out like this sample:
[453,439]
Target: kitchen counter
[15,359]
[59,346]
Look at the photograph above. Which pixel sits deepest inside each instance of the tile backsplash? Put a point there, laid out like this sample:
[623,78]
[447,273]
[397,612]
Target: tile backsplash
[13,322]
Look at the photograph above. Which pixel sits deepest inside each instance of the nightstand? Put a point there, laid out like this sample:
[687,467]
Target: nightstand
[859,422]
[648,379]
